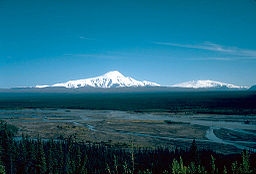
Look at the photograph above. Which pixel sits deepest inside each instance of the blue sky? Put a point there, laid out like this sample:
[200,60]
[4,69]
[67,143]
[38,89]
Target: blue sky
[165,41]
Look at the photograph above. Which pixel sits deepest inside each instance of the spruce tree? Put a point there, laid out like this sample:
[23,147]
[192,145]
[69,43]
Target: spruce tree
[2,168]
[193,151]
[245,166]
[40,158]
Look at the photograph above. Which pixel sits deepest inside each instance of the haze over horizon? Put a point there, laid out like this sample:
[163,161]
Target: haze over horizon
[167,42]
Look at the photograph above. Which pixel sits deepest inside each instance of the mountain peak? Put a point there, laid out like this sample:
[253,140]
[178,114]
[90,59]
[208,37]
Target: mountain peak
[113,74]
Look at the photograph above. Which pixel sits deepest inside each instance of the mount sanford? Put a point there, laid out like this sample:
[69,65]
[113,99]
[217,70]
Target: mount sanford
[115,79]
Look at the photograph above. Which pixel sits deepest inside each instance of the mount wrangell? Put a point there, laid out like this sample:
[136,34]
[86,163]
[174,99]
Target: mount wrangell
[114,81]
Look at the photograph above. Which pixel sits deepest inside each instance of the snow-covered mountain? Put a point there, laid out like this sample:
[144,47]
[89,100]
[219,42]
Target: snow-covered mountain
[115,79]
[208,84]
[112,79]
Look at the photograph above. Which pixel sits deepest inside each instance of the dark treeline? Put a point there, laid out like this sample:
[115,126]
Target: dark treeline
[212,102]
[38,156]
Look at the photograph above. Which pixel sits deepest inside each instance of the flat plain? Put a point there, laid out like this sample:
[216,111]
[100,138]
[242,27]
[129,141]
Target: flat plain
[222,121]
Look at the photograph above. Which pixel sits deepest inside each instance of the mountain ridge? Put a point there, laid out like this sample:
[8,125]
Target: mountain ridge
[112,79]
[253,88]
[196,84]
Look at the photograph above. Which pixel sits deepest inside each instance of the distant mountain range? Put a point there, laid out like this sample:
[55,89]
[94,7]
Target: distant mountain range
[208,84]
[115,79]
[112,79]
